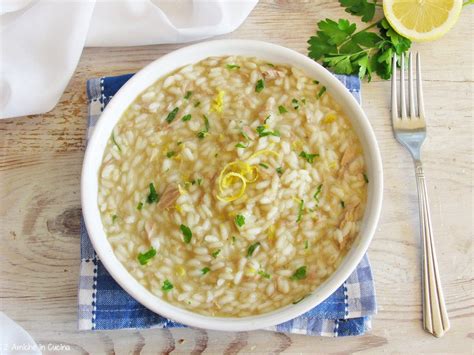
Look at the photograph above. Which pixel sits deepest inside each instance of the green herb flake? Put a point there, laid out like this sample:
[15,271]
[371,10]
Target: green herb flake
[270,64]
[205,131]
[197,103]
[245,135]
[261,130]
[186,117]
[188,95]
[318,192]
[295,103]
[187,234]
[179,143]
[239,220]
[172,115]
[316,82]
[306,244]
[170,154]
[167,286]
[265,166]
[300,211]
[199,181]
[152,196]
[299,274]
[264,274]
[114,218]
[144,258]
[343,204]
[260,85]
[241,145]
[366,179]
[115,142]
[234,239]
[303,100]
[215,253]
[205,270]
[308,157]
[300,299]
[266,119]
[140,206]
[321,92]
[279,170]
[282,109]
[251,249]
[232,66]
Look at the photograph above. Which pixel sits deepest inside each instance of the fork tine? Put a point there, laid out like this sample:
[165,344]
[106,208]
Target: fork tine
[403,105]
[411,93]
[394,88]
[421,105]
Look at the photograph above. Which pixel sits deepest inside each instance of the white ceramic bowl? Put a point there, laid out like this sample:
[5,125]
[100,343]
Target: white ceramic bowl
[192,54]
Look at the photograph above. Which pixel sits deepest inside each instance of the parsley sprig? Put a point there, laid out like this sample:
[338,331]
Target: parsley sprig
[344,50]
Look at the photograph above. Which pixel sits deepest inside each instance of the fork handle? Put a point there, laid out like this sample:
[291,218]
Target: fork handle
[435,317]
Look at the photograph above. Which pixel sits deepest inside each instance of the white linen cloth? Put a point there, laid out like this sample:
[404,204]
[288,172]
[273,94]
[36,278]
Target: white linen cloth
[42,40]
[14,339]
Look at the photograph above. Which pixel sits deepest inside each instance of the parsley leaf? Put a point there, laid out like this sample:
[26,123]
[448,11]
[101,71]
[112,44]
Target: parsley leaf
[318,192]
[114,218]
[263,165]
[343,204]
[186,117]
[205,270]
[251,249]
[261,130]
[215,253]
[321,92]
[308,157]
[361,8]
[300,211]
[140,206]
[282,109]
[167,286]
[153,195]
[295,104]
[205,131]
[279,170]
[239,220]
[232,66]
[187,234]
[188,95]
[197,103]
[260,85]
[299,274]
[144,258]
[170,154]
[366,179]
[264,274]
[241,145]
[172,115]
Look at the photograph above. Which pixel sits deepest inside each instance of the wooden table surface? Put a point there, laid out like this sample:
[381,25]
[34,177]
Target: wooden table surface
[40,165]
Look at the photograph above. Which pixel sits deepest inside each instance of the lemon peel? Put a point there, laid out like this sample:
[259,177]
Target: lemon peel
[238,194]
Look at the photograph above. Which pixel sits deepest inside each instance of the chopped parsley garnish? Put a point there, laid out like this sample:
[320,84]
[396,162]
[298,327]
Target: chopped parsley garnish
[115,142]
[187,234]
[264,274]
[145,257]
[303,100]
[205,270]
[300,211]
[197,103]
[245,135]
[282,109]
[114,218]
[263,165]
[366,178]
[215,253]
[263,133]
[321,92]
[188,95]
[299,274]
[186,117]
[315,82]
[167,286]
[170,154]
[260,86]
[205,131]
[318,192]
[308,157]
[270,64]
[140,206]
[266,119]
[179,143]
[239,220]
[152,196]
[343,204]
[279,170]
[232,66]
[199,181]
[251,249]
[241,145]
[172,115]
[295,103]
[306,244]
[234,239]
[300,299]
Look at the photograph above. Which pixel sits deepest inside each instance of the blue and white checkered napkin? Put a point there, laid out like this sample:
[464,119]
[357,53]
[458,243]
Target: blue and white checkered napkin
[103,304]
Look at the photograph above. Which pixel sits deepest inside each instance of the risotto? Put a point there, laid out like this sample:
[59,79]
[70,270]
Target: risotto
[232,187]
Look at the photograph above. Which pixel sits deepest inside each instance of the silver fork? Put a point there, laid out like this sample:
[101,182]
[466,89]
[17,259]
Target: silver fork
[410,131]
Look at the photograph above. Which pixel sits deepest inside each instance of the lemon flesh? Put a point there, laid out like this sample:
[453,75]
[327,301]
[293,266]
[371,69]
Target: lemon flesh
[422,20]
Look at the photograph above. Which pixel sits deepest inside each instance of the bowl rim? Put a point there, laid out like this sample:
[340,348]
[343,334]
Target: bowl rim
[192,54]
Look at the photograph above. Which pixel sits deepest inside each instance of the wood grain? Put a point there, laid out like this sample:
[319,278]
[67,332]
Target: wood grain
[40,163]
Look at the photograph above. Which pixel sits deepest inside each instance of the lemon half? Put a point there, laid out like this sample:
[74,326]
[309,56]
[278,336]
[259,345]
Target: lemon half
[422,20]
